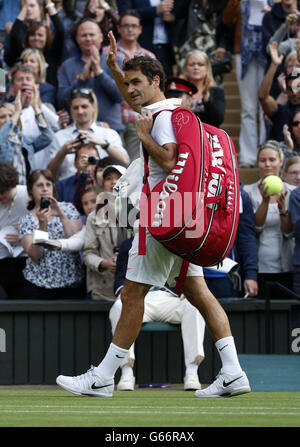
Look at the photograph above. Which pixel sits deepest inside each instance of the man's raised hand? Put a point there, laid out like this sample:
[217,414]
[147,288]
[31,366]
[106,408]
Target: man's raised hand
[112,54]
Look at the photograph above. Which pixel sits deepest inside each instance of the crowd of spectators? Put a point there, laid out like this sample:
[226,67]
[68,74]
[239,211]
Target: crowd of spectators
[66,133]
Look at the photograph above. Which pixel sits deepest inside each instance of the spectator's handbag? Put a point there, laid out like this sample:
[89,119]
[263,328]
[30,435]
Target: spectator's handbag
[194,211]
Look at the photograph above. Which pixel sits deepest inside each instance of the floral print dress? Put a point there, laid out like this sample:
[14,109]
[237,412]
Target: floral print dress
[55,269]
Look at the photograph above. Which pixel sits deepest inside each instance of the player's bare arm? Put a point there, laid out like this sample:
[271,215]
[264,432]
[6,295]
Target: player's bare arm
[165,156]
[117,72]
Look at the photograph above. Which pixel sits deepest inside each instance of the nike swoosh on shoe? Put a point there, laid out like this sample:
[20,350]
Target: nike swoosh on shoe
[225,384]
[94,387]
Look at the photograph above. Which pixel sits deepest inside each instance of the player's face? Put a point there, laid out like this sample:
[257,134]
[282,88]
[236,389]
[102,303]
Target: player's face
[269,162]
[140,90]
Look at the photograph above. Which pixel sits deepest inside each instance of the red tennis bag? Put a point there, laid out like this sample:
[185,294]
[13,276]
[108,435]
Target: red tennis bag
[194,211]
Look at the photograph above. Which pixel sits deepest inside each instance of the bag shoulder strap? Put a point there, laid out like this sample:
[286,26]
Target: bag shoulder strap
[144,196]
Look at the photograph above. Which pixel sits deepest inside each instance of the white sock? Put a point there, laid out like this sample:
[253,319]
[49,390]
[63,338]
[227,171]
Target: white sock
[227,351]
[192,367]
[111,362]
[127,370]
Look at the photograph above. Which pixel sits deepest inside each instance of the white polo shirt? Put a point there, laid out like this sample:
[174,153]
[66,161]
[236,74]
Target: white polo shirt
[62,136]
[10,216]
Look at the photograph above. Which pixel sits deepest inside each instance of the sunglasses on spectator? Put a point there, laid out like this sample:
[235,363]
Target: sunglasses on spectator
[82,91]
[295,123]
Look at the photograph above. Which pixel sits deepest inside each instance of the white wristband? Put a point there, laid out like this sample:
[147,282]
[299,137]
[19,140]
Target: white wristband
[50,5]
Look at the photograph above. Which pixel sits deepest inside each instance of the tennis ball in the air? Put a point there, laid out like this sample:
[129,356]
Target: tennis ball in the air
[274,184]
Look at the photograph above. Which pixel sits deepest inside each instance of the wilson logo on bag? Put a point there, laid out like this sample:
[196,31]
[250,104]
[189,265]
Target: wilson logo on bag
[194,211]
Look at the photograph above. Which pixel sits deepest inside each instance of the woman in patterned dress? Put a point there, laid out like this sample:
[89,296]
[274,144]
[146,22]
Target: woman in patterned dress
[50,274]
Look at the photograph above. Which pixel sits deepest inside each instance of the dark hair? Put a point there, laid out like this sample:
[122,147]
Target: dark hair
[292,76]
[106,161]
[89,189]
[130,12]
[149,67]
[9,177]
[24,69]
[86,145]
[68,7]
[33,177]
[290,127]
[108,23]
[85,191]
[32,29]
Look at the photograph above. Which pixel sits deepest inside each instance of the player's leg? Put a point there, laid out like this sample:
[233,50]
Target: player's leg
[127,379]
[164,306]
[231,379]
[99,381]
[192,330]
[129,325]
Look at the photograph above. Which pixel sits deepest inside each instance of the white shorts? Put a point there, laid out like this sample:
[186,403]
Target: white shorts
[158,266]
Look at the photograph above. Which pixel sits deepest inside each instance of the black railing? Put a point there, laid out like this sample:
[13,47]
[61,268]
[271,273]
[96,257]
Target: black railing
[278,287]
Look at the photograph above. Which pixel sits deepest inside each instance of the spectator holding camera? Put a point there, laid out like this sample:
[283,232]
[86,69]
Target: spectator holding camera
[84,109]
[103,238]
[70,188]
[49,274]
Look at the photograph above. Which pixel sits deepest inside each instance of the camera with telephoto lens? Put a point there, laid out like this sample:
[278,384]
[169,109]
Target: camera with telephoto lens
[93,160]
[45,203]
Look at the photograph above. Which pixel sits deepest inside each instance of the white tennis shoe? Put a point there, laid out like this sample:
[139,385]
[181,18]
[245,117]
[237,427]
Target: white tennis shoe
[191,382]
[226,385]
[126,383]
[87,384]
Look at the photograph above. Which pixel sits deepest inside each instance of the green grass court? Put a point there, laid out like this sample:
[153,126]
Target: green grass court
[147,408]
